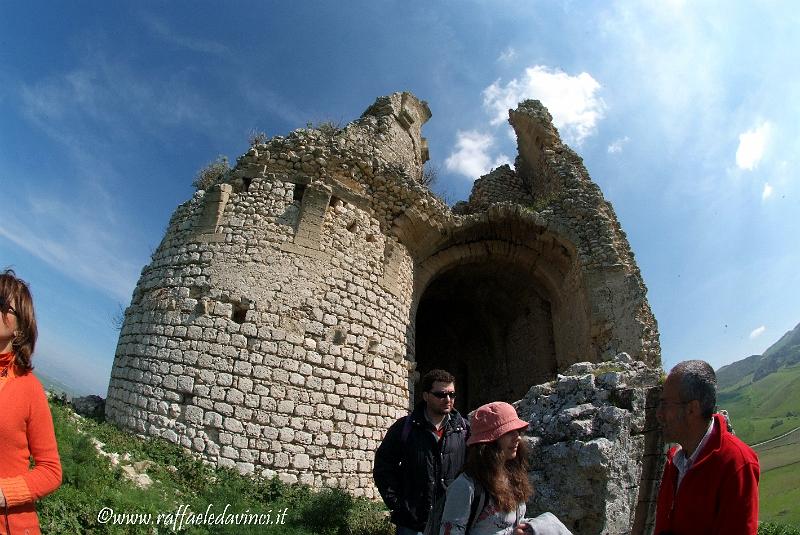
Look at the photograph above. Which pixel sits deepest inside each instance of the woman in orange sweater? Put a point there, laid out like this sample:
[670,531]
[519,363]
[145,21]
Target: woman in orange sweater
[26,425]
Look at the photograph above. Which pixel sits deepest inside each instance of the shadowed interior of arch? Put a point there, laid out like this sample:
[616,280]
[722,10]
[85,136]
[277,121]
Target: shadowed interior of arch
[490,324]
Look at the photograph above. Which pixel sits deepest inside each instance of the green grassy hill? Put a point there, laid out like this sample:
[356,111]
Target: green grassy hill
[762,395]
[779,487]
[766,408]
[96,497]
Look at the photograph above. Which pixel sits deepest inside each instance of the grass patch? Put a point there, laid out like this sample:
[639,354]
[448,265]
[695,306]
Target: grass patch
[181,482]
[779,487]
[764,409]
[771,528]
[784,451]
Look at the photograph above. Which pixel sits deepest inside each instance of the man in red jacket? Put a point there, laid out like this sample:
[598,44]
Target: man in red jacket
[710,481]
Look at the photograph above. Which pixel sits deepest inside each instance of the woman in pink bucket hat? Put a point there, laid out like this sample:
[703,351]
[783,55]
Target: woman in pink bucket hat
[489,497]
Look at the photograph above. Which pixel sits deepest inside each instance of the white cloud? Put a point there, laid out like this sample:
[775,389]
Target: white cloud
[163,30]
[571,100]
[616,145]
[751,146]
[471,155]
[767,192]
[507,55]
[78,239]
[757,332]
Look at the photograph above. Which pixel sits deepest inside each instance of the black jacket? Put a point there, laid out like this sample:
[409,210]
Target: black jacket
[410,474]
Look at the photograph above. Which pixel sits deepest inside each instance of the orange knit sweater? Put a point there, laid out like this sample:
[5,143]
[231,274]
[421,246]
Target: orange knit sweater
[26,431]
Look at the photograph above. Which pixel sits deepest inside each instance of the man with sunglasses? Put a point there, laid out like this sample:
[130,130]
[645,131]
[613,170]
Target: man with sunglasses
[421,454]
[710,481]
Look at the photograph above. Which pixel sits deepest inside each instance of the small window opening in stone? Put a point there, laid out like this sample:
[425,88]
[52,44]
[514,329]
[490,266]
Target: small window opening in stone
[201,308]
[352,226]
[371,238]
[339,337]
[195,292]
[239,313]
[247,181]
[212,434]
[299,190]
[373,346]
[334,202]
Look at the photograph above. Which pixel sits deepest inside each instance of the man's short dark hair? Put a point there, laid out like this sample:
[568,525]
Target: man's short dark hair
[697,381]
[435,376]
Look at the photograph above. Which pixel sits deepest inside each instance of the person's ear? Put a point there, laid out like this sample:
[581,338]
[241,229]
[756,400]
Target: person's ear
[694,407]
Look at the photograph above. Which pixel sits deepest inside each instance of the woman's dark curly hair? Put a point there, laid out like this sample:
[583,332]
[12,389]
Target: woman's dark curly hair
[507,482]
[15,290]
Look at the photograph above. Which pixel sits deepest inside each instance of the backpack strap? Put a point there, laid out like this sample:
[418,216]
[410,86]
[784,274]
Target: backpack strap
[477,505]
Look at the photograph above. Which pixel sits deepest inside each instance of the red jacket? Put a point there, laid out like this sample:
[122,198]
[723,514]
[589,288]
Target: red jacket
[719,493]
[26,430]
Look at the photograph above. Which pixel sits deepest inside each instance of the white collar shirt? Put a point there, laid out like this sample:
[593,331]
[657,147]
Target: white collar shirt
[682,463]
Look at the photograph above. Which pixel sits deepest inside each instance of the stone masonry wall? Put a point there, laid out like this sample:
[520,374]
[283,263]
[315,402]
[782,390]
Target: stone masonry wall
[268,333]
[500,185]
[586,427]
[274,330]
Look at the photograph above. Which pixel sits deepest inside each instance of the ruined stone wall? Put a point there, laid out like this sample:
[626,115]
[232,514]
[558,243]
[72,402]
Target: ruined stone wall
[560,192]
[269,331]
[264,359]
[564,194]
[500,185]
[278,329]
[588,429]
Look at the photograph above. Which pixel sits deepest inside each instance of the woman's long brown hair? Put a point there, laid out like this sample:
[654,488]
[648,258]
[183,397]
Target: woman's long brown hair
[15,290]
[506,481]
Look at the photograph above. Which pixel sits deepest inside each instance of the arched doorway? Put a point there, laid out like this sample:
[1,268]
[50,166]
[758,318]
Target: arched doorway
[491,325]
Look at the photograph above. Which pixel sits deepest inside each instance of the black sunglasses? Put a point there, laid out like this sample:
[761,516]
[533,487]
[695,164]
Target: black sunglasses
[442,395]
[5,307]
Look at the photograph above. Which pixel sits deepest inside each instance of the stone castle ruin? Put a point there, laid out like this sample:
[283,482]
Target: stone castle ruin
[292,306]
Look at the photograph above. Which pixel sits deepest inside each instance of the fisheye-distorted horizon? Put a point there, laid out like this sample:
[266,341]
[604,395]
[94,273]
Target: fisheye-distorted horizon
[685,114]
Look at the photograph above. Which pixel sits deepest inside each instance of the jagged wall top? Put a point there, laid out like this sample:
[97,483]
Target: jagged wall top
[376,163]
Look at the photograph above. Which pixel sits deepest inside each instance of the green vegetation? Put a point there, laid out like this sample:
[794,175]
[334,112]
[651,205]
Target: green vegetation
[90,483]
[211,173]
[779,488]
[607,367]
[758,408]
[762,395]
[329,127]
[181,480]
[257,137]
[430,175]
[771,528]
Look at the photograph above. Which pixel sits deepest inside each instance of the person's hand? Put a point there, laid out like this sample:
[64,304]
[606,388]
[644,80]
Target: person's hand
[2,499]
[520,529]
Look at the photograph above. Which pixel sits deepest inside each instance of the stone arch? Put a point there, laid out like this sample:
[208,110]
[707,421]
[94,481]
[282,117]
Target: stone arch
[501,313]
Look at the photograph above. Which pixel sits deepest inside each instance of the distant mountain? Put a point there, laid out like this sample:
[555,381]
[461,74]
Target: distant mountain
[734,373]
[784,352]
[54,385]
[762,392]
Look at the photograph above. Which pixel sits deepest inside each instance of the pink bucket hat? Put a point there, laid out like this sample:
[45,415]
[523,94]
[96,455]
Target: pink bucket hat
[493,420]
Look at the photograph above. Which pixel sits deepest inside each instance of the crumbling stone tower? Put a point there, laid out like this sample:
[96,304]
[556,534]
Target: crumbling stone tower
[290,308]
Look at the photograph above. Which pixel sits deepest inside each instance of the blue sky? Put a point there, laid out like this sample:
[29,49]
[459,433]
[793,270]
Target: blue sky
[686,115]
